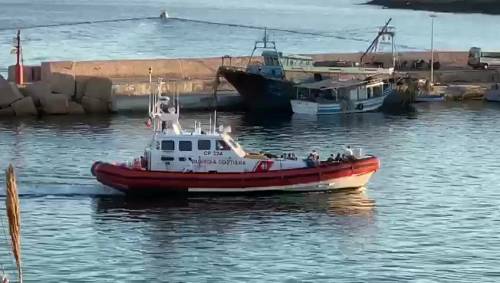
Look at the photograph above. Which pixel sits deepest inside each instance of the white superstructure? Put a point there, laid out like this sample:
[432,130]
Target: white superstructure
[212,150]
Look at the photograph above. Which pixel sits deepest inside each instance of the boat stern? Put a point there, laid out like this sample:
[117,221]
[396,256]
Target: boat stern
[304,107]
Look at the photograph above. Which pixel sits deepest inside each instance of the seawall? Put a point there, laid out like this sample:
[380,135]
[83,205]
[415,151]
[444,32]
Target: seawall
[77,87]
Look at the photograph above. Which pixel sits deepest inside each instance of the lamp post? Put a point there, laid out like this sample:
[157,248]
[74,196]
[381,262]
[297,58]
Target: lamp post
[432,48]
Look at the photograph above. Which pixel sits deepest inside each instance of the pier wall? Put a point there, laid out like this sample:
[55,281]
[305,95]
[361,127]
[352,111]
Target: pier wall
[69,87]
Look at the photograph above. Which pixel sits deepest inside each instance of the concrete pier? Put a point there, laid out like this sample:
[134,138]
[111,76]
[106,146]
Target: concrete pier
[76,87]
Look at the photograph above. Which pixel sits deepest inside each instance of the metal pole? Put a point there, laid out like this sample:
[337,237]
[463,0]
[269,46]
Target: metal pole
[432,49]
[19,64]
[150,108]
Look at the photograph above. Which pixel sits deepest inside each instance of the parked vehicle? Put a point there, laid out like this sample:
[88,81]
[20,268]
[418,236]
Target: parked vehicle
[479,59]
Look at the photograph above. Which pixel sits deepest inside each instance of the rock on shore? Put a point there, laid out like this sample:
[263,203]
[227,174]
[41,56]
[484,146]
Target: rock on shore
[24,107]
[36,98]
[8,93]
[452,6]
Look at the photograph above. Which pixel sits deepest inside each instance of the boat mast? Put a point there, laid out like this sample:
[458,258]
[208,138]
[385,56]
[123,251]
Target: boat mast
[265,43]
[150,92]
[373,46]
[432,48]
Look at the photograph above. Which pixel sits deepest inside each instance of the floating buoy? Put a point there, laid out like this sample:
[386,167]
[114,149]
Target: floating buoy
[164,15]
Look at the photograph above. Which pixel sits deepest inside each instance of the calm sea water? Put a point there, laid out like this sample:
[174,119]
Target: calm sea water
[429,215]
[154,39]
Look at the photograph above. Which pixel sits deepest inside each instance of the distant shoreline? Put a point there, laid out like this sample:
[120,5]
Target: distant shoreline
[459,6]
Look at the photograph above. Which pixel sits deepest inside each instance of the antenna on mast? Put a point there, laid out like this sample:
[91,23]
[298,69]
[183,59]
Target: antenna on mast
[150,106]
[264,40]
[215,120]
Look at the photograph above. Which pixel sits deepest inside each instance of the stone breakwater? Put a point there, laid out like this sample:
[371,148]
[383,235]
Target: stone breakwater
[71,87]
[78,87]
[451,6]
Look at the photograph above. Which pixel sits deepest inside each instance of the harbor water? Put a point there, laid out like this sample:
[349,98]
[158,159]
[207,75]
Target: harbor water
[429,215]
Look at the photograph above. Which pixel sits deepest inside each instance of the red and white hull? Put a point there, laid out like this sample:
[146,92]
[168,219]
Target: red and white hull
[327,176]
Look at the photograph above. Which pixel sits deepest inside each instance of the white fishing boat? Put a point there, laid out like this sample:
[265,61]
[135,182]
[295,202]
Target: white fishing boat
[337,97]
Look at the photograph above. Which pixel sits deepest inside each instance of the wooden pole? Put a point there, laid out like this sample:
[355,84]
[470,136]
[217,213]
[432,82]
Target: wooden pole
[14,217]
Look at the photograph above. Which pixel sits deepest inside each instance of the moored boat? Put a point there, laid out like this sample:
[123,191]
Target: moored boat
[269,85]
[337,97]
[210,161]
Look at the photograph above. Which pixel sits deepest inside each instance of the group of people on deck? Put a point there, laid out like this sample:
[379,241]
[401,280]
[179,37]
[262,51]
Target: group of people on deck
[289,156]
[347,155]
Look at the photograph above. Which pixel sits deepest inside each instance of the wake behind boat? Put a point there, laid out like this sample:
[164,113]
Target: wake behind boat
[211,161]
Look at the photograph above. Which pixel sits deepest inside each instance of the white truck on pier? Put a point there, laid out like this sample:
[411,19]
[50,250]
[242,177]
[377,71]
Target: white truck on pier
[479,59]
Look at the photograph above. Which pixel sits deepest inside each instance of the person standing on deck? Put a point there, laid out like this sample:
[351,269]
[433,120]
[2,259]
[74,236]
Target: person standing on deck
[348,151]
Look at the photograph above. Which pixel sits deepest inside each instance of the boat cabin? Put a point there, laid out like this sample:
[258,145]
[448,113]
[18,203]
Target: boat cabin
[275,63]
[195,151]
[173,149]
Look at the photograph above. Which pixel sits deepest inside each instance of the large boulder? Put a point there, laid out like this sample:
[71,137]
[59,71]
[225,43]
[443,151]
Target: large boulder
[98,88]
[8,93]
[7,112]
[60,76]
[25,107]
[94,105]
[54,103]
[75,108]
[36,90]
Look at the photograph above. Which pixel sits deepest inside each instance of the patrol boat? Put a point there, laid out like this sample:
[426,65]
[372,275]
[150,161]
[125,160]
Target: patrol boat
[211,161]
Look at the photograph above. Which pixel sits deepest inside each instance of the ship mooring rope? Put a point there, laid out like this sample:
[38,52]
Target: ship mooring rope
[77,23]
[300,32]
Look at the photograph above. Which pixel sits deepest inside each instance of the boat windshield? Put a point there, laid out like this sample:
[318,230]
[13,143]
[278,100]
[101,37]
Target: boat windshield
[235,146]
[232,142]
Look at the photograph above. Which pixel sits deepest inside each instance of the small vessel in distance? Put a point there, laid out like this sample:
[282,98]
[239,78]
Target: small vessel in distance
[338,97]
[211,161]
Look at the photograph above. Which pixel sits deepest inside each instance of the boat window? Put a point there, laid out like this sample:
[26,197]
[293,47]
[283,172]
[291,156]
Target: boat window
[268,60]
[369,92]
[353,94]
[185,146]
[167,145]
[377,91]
[167,158]
[222,145]
[204,145]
